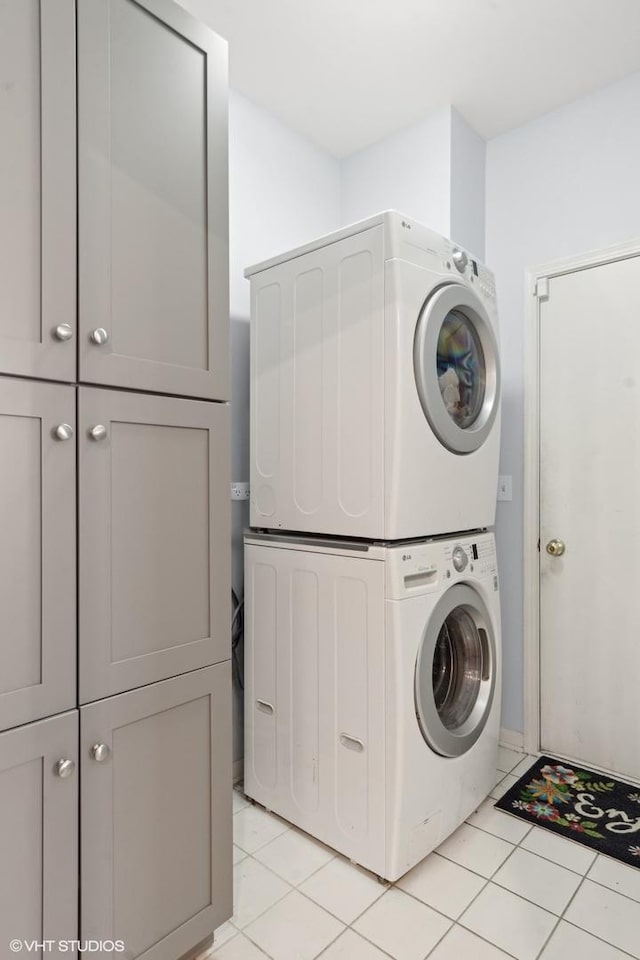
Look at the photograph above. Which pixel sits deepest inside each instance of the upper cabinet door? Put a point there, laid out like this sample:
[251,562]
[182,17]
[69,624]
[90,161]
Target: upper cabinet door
[38,189]
[154,541]
[37,550]
[153,210]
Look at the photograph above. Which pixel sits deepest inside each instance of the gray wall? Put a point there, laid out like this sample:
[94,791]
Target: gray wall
[562,185]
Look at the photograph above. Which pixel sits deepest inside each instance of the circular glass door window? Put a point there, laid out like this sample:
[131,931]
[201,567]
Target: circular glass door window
[457,668]
[461,369]
[455,672]
[457,368]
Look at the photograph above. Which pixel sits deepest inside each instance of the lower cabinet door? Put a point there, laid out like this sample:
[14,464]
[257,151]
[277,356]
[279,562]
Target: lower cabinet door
[39,835]
[154,540]
[156,869]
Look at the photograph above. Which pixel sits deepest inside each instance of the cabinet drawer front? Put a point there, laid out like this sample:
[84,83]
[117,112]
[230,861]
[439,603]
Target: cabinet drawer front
[37,550]
[152,139]
[38,189]
[39,831]
[158,804]
[154,539]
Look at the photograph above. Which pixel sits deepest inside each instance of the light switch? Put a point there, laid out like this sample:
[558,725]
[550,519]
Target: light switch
[504,488]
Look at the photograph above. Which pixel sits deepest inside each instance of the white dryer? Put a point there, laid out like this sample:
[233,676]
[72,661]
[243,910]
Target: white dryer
[375,385]
[372,689]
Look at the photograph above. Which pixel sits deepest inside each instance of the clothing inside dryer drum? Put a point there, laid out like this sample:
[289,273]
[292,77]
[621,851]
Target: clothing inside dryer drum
[457,668]
[461,369]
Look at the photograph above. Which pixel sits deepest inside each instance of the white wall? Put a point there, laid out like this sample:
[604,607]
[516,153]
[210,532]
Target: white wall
[283,191]
[408,171]
[564,184]
[468,174]
[433,171]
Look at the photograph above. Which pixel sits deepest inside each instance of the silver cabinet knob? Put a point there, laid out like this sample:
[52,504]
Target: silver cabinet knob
[460,259]
[64,431]
[99,336]
[98,432]
[63,332]
[64,768]
[100,752]
[555,548]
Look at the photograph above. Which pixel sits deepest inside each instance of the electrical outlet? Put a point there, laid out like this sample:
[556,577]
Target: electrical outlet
[239,491]
[504,488]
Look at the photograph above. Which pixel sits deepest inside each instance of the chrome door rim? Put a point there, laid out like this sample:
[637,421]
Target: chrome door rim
[442,739]
[447,298]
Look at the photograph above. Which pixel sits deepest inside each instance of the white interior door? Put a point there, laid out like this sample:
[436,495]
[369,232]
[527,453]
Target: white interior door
[590,505]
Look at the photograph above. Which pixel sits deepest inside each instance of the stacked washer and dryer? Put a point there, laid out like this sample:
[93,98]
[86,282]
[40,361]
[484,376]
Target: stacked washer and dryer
[372,630]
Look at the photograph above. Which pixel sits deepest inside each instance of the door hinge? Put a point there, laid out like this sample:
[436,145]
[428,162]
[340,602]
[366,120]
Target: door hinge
[541,289]
[538,544]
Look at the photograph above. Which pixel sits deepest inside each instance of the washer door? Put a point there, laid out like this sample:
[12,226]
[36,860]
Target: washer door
[455,672]
[457,369]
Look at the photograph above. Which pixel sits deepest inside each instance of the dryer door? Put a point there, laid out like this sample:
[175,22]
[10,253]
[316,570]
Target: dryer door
[457,369]
[455,672]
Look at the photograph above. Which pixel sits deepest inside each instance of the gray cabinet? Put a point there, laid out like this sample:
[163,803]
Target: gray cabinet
[154,540]
[38,832]
[37,550]
[152,167]
[156,814]
[37,189]
[115,546]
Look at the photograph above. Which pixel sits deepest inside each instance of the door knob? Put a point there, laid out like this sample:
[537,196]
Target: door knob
[556,548]
[98,432]
[63,332]
[64,431]
[99,336]
[100,752]
[64,768]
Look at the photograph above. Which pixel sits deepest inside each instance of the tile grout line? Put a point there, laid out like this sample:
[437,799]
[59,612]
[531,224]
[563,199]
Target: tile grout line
[491,880]
[388,887]
[559,920]
[286,893]
[357,934]
[487,883]
[610,889]
[453,922]
[596,937]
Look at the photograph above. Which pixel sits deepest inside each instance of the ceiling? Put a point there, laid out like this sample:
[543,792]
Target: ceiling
[348,72]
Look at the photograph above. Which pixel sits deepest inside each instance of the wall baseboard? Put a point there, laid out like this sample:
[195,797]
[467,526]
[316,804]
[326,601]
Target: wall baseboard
[512,739]
[238,770]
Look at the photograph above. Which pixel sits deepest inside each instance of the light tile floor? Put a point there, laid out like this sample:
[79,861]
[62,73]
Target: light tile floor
[497,888]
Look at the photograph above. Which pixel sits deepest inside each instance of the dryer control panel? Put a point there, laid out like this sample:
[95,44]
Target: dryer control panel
[423,566]
[473,271]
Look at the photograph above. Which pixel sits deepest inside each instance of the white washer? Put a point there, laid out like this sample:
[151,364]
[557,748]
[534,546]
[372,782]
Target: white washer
[375,386]
[372,689]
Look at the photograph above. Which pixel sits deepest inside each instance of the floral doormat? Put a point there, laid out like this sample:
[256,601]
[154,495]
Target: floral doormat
[592,808]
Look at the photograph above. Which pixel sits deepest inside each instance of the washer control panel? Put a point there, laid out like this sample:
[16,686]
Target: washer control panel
[422,566]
